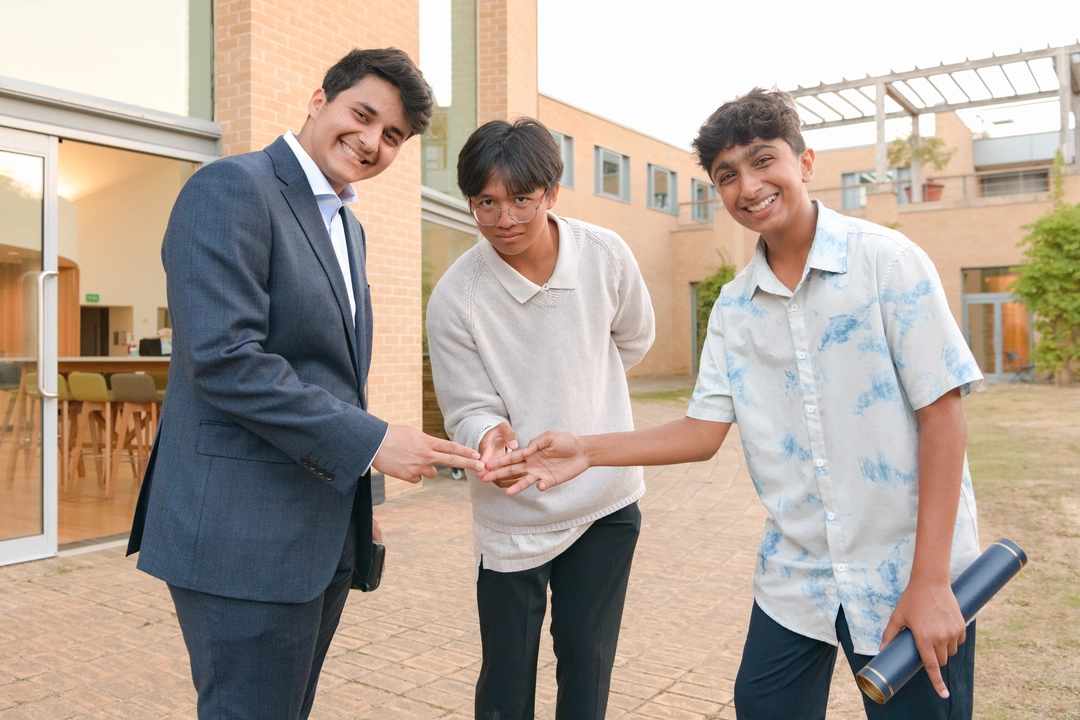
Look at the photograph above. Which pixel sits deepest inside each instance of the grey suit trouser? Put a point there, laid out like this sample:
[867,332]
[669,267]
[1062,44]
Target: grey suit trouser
[255,660]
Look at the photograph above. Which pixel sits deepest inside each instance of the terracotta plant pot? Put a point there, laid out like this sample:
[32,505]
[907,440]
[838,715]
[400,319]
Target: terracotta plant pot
[931,192]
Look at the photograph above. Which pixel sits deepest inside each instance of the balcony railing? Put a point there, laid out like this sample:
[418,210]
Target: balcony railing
[1018,185]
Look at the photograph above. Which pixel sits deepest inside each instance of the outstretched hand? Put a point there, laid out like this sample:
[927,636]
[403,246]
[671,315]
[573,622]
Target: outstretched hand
[550,459]
[411,455]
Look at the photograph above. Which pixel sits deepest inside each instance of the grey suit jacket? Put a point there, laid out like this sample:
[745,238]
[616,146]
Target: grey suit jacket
[264,437]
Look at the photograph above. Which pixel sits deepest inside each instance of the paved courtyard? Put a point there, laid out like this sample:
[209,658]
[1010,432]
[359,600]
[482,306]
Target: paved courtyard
[89,636]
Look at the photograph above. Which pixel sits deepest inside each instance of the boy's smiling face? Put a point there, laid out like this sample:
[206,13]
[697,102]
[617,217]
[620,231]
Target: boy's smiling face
[763,184]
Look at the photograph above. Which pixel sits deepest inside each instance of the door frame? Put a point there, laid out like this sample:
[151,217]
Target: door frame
[42,545]
[996,300]
[46,116]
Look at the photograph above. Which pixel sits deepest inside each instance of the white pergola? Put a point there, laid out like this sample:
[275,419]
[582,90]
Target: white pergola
[996,80]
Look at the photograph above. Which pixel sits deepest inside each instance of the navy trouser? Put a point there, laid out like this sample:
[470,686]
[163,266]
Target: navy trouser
[786,676]
[255,660]
[588,587]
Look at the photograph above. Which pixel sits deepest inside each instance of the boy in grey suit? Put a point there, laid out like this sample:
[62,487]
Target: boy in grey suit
[256,507]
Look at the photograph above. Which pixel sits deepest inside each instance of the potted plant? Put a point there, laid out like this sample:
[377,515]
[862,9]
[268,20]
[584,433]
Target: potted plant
[931,151]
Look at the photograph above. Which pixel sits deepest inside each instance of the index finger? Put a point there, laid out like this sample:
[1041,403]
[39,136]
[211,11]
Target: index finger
[512,458]
[452,454]
[929,657]
[494,473]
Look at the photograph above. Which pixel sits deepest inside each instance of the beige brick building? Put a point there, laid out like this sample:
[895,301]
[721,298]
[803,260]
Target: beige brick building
[95,145]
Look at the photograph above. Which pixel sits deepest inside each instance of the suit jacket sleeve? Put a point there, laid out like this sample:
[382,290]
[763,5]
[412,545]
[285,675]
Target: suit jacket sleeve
[217,256]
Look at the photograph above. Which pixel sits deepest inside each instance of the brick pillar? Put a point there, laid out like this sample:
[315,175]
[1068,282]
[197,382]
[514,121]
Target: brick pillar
[270,55]
[506,62]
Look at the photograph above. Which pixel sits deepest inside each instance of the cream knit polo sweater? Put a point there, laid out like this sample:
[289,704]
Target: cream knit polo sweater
[542,358]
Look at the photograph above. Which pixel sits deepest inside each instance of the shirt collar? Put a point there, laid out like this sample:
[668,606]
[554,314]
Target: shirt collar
[521,288]
[320,186]
[827,253]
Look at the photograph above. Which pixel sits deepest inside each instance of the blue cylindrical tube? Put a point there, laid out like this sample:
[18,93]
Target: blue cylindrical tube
[882,677]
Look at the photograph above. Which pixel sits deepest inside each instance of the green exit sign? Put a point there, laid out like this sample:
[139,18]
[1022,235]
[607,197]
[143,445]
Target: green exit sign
[92,297]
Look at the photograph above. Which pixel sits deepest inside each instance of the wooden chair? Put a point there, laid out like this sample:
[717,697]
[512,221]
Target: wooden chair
[10,382]
[26,431]
[137,399]
[95,415]
[30,440]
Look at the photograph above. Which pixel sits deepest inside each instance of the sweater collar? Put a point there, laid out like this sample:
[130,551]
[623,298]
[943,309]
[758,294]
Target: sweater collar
[521,288]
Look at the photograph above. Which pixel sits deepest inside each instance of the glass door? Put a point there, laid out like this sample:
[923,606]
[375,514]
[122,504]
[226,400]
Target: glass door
[29,427]
[998,331]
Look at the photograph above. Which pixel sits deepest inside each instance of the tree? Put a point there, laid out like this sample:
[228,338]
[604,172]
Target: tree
[1049,282]
[708,290]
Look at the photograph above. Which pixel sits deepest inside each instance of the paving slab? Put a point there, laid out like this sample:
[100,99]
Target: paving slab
[89,636]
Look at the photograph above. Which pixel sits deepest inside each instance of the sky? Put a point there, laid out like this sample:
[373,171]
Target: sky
[663,67]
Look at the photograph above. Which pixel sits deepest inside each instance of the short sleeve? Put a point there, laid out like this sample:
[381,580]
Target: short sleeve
[712,395]
[928,349]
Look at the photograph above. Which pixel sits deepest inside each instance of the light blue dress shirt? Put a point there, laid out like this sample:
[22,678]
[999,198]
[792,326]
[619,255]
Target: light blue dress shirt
[824,383]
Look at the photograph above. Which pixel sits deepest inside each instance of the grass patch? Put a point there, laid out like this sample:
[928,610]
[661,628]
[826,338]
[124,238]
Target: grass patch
[680,394]
[1026,470]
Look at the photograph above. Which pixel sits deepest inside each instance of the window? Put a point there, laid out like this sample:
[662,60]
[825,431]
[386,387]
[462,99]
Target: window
[611,175]
[663,185]
[566,147]
[448,61]
[102,49]
[1014,183]
[853,186]
[702,195]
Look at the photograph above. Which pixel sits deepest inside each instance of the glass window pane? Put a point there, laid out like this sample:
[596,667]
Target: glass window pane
[440,247]
[151,54]
[448,61]
[981,336]
[1015,336]
[22,179]
[611,170]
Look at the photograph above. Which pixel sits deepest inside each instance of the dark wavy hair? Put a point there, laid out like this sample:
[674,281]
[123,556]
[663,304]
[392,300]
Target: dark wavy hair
[396,68]
[523,153]
[764,114]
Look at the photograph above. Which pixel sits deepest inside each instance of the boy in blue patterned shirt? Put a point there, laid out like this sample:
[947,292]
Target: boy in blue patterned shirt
[836,353]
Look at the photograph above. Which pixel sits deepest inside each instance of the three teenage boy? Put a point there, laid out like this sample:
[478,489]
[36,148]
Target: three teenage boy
[836,353]
[534,328]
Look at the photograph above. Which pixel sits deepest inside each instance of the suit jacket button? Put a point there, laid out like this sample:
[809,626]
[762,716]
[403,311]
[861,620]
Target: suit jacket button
[329,476]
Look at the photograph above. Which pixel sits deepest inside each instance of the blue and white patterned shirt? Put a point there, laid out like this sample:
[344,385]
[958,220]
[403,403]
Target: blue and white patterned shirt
[824,383]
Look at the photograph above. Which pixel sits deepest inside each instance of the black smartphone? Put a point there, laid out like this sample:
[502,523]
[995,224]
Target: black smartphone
[370,582]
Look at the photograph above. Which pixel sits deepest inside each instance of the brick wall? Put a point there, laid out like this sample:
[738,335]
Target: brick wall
[270,56]
[506,59]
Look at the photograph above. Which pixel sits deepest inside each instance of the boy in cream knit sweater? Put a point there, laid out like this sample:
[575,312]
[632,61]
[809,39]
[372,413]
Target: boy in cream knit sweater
[531,329]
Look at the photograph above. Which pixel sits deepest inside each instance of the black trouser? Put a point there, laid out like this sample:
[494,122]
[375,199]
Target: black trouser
[588,587]
[261,660]
[787,675]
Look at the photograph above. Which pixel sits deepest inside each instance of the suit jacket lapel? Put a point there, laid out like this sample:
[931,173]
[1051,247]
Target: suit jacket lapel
[301,199]
[355,241]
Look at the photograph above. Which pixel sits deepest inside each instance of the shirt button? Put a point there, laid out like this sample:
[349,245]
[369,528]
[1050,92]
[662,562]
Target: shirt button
[820,463]
[841,567]
[810,409]
[794,308]
[831,516]
[802,356]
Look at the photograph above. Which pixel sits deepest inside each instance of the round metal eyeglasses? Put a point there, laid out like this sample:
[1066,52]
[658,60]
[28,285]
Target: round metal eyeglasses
[519,212]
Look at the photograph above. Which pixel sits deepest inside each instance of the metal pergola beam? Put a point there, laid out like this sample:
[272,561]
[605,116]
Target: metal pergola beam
[941,69]
[1043,95]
